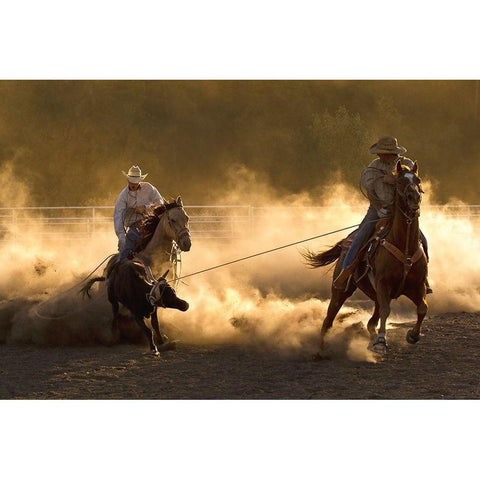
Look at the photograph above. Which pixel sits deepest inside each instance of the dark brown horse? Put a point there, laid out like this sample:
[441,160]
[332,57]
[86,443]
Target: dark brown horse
[397,266]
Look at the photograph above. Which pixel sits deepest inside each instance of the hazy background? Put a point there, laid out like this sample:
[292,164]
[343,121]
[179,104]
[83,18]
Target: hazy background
[261,143]
[68,140]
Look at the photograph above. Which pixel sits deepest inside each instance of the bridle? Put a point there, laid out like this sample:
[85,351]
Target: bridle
[410,214]
[183,232]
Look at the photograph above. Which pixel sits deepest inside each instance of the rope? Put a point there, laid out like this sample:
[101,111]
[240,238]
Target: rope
[269,251]
[38,314]
[177,279]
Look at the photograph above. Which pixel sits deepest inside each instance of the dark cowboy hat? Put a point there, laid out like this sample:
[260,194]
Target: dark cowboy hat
[387,145]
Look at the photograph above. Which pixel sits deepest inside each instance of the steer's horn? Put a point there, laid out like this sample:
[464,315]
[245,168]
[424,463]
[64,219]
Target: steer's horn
[165,274]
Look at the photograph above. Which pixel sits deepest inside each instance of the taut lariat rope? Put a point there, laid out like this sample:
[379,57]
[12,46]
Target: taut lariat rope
[267,251]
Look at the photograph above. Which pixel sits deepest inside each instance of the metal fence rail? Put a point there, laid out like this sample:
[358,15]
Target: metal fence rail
[206,221]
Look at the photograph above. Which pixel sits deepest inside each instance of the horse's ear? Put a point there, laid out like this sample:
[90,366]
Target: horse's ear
[398,167]
[415,168]
[179,202]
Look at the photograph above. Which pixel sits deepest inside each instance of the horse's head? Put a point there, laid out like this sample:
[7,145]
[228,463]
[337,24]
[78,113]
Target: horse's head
[163,295]
[165,223]
[177,224]
[408,186]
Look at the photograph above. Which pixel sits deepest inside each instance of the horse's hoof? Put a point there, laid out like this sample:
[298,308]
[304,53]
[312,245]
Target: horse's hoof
[318,357]
[116,335]
[379,346]
[152,353]
[411,339]
[167,346]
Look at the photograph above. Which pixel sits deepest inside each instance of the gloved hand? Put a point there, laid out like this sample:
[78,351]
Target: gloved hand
[390,179]
[121,241]
[383,212]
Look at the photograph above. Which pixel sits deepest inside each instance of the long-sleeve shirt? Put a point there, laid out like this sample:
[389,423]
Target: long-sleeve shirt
[124,213]
[380,193]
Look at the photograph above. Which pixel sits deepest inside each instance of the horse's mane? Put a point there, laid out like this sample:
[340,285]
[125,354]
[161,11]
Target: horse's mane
[149,224]
[405,168]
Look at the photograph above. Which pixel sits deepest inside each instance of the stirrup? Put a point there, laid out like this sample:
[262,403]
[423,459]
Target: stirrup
[342,282]
[428,288]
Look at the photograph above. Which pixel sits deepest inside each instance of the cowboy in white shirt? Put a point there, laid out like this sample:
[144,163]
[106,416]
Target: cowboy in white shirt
[131,205]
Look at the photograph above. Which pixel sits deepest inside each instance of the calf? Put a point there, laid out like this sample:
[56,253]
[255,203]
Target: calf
[127,284]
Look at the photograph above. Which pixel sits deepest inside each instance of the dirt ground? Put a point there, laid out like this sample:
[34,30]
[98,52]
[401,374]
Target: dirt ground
[443,365]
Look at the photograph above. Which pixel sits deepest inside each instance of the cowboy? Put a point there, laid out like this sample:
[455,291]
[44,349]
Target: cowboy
[378,181]
[131,205]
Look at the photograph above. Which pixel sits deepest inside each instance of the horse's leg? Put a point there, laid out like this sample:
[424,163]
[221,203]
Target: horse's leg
[383,299]
[115,308]
[373,322]
[367,288]
[149,334]
[418,297]
[336,301]
[162,340]
[115,327]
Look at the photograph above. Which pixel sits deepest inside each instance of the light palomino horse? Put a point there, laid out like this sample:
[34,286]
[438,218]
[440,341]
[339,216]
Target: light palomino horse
[166,223]
[398,265]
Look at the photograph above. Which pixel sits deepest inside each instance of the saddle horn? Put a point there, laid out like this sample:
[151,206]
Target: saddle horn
[164,276]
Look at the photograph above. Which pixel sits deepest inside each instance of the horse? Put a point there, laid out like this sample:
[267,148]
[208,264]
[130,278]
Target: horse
[128,285]
[396,264]
[166,225]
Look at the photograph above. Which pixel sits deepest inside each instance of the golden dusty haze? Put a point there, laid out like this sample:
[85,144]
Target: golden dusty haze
[273,301]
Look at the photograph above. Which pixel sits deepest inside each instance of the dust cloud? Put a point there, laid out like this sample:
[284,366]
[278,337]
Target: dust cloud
[270,302]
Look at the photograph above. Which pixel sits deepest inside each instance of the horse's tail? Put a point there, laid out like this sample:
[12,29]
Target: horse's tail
[85,290]
[315,260]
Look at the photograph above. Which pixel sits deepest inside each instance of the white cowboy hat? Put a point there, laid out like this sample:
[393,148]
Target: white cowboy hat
[134,175]
[387,145]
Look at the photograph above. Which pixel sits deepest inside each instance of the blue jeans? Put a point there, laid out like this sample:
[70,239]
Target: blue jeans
[130,240]
[365,231]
